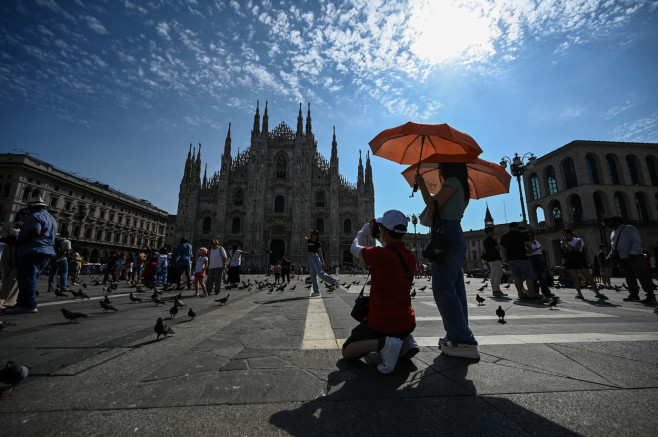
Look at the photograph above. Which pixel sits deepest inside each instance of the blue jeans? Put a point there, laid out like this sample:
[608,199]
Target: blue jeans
[541,279]
[161,274]
[315,270]
[61,266]
[27,275]
[449,288]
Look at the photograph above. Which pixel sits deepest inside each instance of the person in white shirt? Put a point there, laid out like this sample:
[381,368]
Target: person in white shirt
[216,266]
[235,260]
[200,272]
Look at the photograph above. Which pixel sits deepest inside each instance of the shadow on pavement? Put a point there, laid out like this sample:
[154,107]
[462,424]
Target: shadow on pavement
[408,402]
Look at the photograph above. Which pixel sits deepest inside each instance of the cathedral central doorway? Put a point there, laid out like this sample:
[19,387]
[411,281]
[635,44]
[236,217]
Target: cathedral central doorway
[278,249]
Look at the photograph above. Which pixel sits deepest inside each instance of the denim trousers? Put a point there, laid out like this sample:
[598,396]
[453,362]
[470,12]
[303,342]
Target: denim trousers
[315,270]
[541,279]
[27,273]
[449,288]
[161,274]
[62,267]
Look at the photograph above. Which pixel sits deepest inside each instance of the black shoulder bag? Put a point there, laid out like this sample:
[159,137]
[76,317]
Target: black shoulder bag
[362,302]
[439,246]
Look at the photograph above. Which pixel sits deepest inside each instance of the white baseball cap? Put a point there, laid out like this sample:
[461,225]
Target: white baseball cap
[394,220]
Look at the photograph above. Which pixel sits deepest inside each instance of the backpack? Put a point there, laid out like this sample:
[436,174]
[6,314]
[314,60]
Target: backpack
[60,250]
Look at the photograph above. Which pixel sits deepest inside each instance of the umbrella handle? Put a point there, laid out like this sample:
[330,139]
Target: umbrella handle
[422,143]
[415,189]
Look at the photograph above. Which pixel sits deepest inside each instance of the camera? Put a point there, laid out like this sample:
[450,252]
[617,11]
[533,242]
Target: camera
[375,229]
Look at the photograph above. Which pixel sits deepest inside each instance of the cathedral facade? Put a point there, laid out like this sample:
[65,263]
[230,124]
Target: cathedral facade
[271,194]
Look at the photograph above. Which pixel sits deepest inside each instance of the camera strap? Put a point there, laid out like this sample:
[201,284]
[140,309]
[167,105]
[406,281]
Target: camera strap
[410,276]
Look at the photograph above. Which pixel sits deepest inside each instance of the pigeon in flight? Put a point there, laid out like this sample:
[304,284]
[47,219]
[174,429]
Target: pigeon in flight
[72,316]
[500,312]
[13,374]
[480,299]
[162,329]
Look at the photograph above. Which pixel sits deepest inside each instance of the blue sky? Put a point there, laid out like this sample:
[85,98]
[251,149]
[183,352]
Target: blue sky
[117,90]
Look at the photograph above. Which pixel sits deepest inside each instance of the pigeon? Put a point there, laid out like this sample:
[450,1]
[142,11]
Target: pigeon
[423,288]
[156,299]
[107,306]
[485,285]
[481,288]
[13,374]
[179,303]
[413,293]
[173,311]
[107,300]
[4,324]
[84,285]
[484,280]
[80,294]
[162,329]
[293,287]
[500,312]
[192,313]
[281,288]
[223,300]
[468,282]
[347,287]
[135,299]
[309,286]
[552,303]
[97,282]
[59,293]
[507,286]
[139,289]
[480,299]
[72,316]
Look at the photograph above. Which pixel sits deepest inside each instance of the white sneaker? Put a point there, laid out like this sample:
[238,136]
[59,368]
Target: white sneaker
[461,350]
[409,347]
[389,354]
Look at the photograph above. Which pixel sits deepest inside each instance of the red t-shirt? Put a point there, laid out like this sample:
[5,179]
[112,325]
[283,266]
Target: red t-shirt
[149,270]
[390,303]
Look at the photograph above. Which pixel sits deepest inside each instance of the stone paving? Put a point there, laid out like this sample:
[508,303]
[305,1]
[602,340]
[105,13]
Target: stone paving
[270,364]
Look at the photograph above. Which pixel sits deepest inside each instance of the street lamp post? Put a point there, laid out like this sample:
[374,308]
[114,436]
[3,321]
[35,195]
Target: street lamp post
[518,165]
[414,221]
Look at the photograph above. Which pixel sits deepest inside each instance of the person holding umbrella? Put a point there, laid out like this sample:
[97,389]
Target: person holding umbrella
[448,278]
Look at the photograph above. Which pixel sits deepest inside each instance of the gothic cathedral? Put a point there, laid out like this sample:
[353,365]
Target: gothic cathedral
[272,193]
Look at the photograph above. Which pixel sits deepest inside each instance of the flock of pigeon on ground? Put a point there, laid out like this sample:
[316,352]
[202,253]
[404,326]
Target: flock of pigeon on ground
[13,374]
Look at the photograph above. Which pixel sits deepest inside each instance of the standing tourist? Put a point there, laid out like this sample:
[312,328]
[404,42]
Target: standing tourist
[316,263]
[216,264]
[35,247]
[514,254]
[492,257]
[200,272]
[448,277]
[184,262]
[235,261]
[161,269]
[627,244]
[534,250]
[576,262]
[8,235]
[110,268]
[60,262]
[285,268]
[391,318]
[605,265]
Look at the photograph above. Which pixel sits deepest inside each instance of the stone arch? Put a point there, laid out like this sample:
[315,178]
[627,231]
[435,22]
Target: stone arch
[621,204]
[320,199]
[556,214]
[535,186]
[593,168]
[652,168]
[614,174]
[238,198]
[281,165]
[569,173]
[279,203]
[601,205]
[551,180]
[641,207]
[633,168]
[576,209]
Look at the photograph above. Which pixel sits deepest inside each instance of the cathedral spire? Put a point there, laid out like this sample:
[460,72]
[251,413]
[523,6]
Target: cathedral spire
[368,170]
[266,120]
[256,129]
[309,131]
[300,122]
[189,154]
[359,179]
[205,176]
[227,142]
[334,147]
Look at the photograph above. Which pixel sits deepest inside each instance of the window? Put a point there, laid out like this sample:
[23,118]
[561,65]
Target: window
[570,173]
[68,205]
[576,210]
[319,199]
[651,167]
[207,223]
[279,203]
[88,233]
[551,180]
[108,236]
[99,235]
[557,214]
[26,193]
[53,201]
[64,227]
[235,225]
[347,226]
[76,232]
[641,207]
[613,176]
[620,205]
[534,184]
[6,189]
[632,171]
[592,170]
[281,166]
[239,198]
[598,206]
[319,225]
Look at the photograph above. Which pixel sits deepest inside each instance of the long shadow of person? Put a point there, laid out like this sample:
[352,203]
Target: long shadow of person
[436,399]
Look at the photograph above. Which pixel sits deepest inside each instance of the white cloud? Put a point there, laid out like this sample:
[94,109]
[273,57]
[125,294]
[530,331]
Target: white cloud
[95,25]
[163,30]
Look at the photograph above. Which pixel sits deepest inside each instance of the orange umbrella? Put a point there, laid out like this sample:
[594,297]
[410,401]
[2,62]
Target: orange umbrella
[484,178]
[412,142]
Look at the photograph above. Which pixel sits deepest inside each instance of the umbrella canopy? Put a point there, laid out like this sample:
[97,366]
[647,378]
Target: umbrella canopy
[484,178]
[412,142]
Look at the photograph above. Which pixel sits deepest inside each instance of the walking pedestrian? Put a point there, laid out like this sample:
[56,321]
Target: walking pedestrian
[448,277]
[316,261]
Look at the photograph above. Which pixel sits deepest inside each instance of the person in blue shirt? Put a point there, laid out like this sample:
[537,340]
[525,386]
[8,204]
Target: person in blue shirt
[35,246]
[184,261]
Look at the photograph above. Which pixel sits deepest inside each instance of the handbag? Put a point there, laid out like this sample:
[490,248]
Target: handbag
[361,305]
[439,246]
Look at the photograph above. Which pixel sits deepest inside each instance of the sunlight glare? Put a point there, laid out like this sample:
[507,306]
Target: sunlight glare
[442,31]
